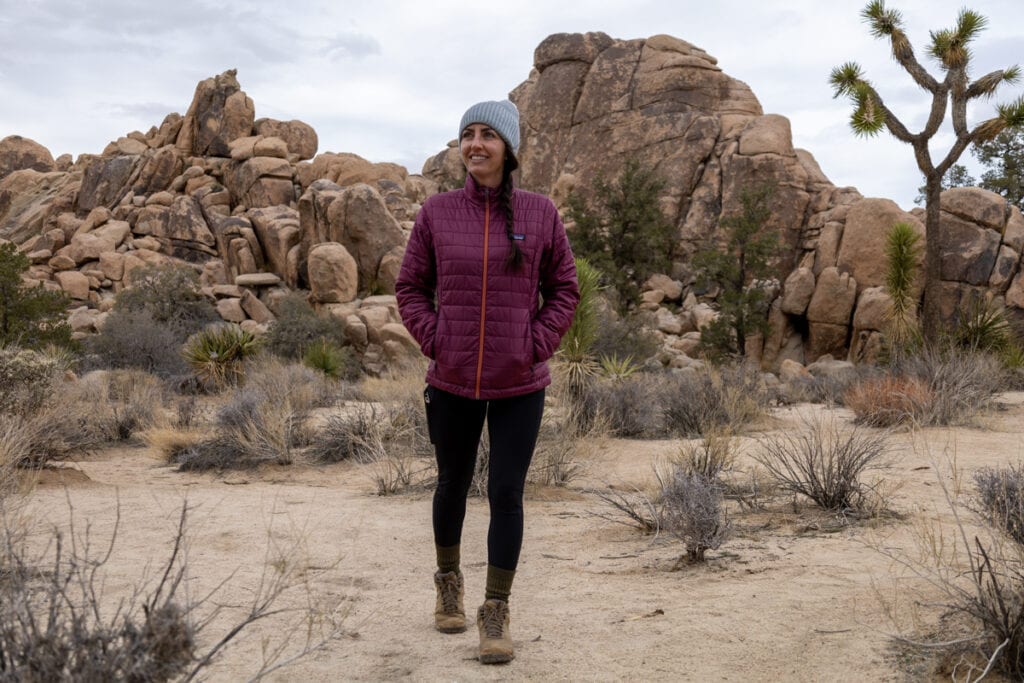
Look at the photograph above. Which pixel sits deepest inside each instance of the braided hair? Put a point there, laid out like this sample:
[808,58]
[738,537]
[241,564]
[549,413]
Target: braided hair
[515,256]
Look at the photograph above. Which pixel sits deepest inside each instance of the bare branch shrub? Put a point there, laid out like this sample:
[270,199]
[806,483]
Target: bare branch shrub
[633,508]
[26,379]
[625,407]
[692,510]
[1000,499]
[824,462]
[56,623]
[558,458]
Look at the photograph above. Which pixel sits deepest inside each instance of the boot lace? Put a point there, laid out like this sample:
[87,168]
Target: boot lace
[493,619]
[448,585]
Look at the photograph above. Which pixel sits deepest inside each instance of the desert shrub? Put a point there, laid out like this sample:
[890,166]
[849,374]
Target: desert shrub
[27,379]
[887,401]
[217,354]
[696,402]
[557,457]
[306,389]
[297,327]
[624,336]
[633,508]
[1000,499]
[336,362]
[134,339]
[254,427]
[171,295]
[824,462]
[961,382]
[626,406]
[710,456]
[692,510]
[828,388]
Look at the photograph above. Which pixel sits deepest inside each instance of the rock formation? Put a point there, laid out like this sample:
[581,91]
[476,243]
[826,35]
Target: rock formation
[253,207]
[591,102]
[244,200]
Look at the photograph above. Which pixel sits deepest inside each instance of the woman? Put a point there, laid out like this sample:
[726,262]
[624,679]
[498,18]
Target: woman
[477,264]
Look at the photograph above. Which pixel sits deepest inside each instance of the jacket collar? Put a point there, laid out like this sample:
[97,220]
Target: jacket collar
[478,193]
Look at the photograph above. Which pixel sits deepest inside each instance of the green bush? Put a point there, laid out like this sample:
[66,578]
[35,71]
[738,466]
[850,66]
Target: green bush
[29,316]
[171,296]
[298,327]
[333,361]
[622,231]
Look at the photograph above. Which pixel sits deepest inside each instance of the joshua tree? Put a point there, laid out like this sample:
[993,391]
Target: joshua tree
[951,48]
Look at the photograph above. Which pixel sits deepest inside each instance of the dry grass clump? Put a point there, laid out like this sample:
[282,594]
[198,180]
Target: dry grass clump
[961,382]
[826,463]
[253,428]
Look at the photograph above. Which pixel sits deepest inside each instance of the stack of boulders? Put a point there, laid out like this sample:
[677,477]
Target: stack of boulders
[246,201]
[253,207]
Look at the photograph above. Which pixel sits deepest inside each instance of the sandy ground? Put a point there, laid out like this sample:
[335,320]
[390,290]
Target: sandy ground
[793,596]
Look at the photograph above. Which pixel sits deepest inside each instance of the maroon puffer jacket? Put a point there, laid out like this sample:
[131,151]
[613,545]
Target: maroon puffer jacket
[488,336]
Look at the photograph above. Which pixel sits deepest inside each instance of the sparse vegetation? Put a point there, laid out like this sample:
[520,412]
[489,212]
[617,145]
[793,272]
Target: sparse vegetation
[1000,499]
[826,463]
[692,510]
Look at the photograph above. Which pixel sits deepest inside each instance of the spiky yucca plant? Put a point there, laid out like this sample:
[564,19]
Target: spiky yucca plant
[217,354]
[902,251]
[576,350]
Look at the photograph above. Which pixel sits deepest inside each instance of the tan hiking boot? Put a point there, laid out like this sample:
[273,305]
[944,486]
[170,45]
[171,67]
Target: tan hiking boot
[495,638]
[449,614]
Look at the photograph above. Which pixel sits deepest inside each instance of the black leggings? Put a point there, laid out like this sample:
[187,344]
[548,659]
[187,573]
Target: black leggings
[456,424]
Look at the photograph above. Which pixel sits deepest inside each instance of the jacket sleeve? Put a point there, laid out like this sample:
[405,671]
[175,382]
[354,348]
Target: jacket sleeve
[560,290]
[416,285]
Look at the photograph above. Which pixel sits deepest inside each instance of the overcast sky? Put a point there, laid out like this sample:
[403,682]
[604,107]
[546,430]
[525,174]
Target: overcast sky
[389,80]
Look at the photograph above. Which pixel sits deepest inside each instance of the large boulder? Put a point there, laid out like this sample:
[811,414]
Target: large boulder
[220,112]
[862,250]
[300,137]
[333,273]
[18,153]
[277,229]
[32,202]
[260,182]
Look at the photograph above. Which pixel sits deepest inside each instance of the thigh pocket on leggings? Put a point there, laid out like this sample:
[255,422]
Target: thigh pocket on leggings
[428,396]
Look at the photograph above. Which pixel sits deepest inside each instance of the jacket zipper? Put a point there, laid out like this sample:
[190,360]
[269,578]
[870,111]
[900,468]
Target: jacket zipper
[483,296]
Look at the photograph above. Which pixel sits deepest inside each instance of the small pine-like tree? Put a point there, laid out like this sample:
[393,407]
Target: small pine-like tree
[29,316]
[623,232]
[1003,155]
[735,267]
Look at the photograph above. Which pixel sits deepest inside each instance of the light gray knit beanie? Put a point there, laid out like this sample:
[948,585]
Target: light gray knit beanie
[501,115]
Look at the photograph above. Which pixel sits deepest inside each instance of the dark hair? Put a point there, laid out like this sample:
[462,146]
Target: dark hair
[515,256]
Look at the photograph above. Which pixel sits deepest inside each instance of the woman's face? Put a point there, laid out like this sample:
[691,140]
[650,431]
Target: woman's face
[483,153]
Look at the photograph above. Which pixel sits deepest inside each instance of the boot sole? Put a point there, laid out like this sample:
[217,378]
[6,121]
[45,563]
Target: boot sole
[452,629]
[497,658]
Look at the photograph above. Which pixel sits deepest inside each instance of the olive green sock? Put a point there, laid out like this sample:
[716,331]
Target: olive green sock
[447,558]
[499,583]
